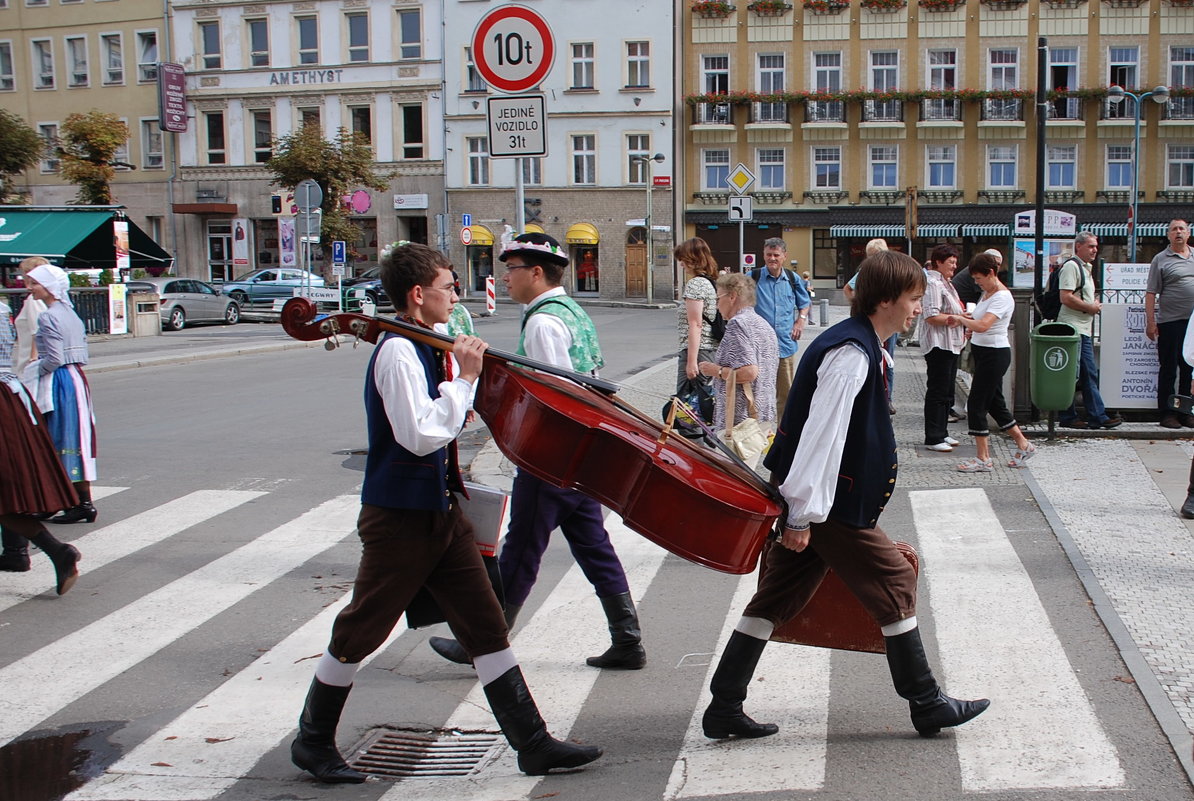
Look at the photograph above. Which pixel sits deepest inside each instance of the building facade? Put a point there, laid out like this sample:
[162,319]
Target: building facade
[847,112]
[608,101]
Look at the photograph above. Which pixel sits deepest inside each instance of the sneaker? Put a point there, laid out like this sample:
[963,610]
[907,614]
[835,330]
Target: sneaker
[1169,421]
[1073,424]
[940,447]
[952,441]
[976,466]
[1115,422]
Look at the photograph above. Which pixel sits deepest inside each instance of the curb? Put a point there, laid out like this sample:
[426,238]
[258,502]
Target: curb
[207,355]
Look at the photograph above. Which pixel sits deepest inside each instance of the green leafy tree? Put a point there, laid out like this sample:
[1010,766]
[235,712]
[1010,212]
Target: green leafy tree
[338,166]
[88,149]
[20,148]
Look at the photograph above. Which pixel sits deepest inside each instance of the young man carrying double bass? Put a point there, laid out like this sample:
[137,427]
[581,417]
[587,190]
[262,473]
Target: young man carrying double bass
[830,461]
[413,534]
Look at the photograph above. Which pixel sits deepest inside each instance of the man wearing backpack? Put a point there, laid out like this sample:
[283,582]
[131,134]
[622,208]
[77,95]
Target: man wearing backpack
[1078,308]
[783,302]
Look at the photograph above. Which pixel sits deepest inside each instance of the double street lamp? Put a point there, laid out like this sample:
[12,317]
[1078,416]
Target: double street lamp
[1116,94]
[658,158]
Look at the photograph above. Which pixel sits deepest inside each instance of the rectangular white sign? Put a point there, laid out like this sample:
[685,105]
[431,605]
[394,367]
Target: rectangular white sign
[517,126]
[410,201]
[1127,358]
[318,293]
[1125,276]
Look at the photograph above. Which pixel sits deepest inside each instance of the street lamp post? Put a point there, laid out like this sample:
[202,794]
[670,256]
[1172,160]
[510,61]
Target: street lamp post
[1116,94]
[646,160]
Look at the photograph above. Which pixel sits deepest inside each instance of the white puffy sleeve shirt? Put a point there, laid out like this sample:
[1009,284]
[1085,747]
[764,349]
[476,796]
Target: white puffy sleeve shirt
[546,337]
[420,423]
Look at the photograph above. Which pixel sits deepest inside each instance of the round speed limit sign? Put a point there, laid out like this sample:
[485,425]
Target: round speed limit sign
[466,235]
[513,48]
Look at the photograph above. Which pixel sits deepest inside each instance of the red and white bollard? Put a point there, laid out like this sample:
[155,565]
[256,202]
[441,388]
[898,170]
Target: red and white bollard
[490,297]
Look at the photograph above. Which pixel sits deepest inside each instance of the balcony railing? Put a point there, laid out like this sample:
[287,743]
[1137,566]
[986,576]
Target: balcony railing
[1065,108]
[1179,108]
[1003,110]
[826,197]
[824,111]
[769,112]
[883,111]
[1065,195]
[1125,109]
[712,114]
[1117,195]
[938,110]
[1001,195]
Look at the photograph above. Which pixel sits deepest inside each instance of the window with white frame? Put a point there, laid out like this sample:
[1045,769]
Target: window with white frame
[358,36]
[76,54]
[410,33]
[1063,74]
[1123,69]
[884,77]
[210,46]
[582,65]
[827,77]
[827,168]
[37,2]
[258,30]
[715,169]
[152,155]
[638,65]
[1001,166]
[361,119]
[413,132]
[308,39]
[1003,74]
[638,148]
[1119,167]
[112,47]
[1179,167]
[1181,76]
[769,77]
[478,160]
[584,159]
[309,115]
[941,166]
[43,63]
[473,80]
[147,56]
[943,75]
[1061,166]
[532,171]
[884,166]
[213,125]
[771,169]
[121,156]
[8,77]
[263,136]
[715,74]
[49,135]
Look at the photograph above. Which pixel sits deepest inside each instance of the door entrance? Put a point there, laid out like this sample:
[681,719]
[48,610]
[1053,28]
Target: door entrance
[636,263]
[219,250]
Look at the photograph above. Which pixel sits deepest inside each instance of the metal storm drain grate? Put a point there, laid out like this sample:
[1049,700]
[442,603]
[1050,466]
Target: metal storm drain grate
[390,754]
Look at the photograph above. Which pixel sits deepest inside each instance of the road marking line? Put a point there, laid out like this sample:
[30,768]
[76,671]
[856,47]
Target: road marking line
[118,540]
[99,493]
[555,671]
[995,639]
[52,677]
[791,688]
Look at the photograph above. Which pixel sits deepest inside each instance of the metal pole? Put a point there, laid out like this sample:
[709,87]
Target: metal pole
[650,239]
[520,211]
[741,246]
[1042,114]
[1135,177]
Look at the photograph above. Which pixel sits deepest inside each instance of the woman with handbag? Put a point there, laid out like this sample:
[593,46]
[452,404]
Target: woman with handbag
[941,341]
[698,313]
[745,363]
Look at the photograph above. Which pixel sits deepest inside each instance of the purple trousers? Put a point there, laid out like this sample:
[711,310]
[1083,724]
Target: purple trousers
[537,509]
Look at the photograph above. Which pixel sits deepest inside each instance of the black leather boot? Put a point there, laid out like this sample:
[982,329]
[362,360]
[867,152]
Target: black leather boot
[518,717]
[314,750]
[626,652]
[453,651]
[932,710]
[77,514]
[15,556]
[724,716]
[65,558]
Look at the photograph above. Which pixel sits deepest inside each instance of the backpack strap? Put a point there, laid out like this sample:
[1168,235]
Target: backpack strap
[1081,273]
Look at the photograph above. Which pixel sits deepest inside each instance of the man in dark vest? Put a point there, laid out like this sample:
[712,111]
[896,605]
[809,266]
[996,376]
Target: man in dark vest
[413,533]
[829,462]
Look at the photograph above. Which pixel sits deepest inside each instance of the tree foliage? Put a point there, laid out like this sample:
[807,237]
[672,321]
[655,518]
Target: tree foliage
[20,148]
[338,166]
[88,147]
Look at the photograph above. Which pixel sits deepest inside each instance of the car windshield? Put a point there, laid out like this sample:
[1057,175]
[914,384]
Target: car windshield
[372,272]
[246,276]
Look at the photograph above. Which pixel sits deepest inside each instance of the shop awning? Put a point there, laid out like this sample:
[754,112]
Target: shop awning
[937,231]
[865,231]
[582,234]
[990,229]
[1121,229]
[72,239]
[534,228]
[482,236]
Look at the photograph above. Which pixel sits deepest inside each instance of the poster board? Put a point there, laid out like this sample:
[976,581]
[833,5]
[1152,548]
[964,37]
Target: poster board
[1127,358]
[118,321]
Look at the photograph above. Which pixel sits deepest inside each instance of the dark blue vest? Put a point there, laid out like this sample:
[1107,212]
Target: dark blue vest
[867,475]
[395,477]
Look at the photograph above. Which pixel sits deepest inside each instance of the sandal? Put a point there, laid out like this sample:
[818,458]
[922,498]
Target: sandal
[976,465]
[1019,457]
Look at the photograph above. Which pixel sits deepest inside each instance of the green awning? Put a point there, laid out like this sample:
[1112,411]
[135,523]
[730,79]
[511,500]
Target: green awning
[1121,229]
[990,229]
[80,239]
[937,231]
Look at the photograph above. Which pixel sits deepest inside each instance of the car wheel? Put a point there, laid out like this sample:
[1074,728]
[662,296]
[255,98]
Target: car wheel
[240,297]
[372,296]
[178,319]
[232,314]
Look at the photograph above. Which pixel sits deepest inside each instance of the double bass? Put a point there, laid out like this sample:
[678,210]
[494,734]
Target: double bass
[573,431]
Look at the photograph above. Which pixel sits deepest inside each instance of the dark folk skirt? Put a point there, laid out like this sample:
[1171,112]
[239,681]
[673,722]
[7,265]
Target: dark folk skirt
[32,480]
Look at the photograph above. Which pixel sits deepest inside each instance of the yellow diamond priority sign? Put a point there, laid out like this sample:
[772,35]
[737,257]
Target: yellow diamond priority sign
[740,179]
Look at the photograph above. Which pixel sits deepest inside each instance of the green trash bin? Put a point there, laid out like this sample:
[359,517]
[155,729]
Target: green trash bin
[1055,351]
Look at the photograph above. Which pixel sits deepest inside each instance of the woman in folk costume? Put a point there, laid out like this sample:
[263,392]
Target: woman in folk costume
[32,481]
[61,387]
[26,321]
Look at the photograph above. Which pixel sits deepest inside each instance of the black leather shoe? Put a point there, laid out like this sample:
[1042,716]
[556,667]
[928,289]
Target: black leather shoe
[1170,422]
[77,514]
[1187,510]
[720,727]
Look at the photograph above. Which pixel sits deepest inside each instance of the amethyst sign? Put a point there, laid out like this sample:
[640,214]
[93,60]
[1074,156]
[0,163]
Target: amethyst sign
[172,98]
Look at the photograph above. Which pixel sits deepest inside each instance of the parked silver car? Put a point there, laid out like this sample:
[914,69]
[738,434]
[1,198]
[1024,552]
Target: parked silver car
[187,300]
[269,284]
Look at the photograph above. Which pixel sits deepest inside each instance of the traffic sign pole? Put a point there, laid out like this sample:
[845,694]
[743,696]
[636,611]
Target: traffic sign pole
[739,180]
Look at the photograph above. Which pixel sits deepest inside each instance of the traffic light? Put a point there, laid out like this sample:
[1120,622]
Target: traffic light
[276,204]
